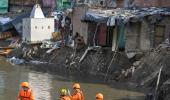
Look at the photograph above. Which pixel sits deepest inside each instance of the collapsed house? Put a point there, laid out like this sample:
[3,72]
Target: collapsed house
[132,30]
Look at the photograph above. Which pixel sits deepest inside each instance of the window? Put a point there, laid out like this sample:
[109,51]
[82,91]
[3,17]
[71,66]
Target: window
[48,27]
[159,34]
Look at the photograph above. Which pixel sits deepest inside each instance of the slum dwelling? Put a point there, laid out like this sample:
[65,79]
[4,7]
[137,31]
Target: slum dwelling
[130,30]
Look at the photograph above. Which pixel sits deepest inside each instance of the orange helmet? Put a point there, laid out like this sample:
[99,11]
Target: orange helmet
[76,86]
[99,96]
[24,84]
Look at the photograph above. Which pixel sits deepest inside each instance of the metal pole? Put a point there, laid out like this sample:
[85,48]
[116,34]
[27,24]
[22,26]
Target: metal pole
[157,84]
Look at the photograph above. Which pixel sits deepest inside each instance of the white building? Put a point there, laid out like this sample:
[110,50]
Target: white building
[37,28]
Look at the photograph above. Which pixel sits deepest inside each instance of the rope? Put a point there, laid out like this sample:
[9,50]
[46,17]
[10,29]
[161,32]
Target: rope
[157,84]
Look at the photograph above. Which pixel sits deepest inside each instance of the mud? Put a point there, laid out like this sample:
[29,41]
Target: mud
[95,62]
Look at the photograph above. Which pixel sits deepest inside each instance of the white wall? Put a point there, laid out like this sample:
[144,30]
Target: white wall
[40,29]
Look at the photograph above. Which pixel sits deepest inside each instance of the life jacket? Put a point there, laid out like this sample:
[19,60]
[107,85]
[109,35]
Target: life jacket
[65,98]
[79,93]
[82,95]
[25,95]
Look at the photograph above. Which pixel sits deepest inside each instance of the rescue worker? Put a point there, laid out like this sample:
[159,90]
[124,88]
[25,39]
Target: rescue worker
[25,92]
[63,95]
[99,96]
[77,93]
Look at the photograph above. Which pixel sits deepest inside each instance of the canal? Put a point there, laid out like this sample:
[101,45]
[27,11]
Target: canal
[46,86]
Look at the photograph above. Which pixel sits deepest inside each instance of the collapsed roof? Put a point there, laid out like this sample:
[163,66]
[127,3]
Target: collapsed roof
[98,15]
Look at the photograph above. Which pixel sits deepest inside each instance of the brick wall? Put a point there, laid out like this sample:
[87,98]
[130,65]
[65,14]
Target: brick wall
[146,3]
[120,3]
[164,3]
[152,3]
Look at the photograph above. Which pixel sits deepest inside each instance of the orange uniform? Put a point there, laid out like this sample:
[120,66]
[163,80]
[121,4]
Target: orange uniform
[77,96]
[65,98]
[25,95]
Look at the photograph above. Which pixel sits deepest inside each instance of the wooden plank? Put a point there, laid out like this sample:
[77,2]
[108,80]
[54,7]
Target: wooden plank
[6,48]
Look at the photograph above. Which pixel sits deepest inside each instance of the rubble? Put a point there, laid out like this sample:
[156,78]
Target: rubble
[164,93]
[16,61]
[148,68]
[91,60]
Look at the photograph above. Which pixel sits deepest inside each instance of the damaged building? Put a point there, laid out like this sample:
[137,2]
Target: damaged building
[132,30]
[126,3]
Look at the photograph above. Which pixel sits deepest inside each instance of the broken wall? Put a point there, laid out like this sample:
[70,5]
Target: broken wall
[138,36]
[162,31]
[144,35]
[132,31]
[78,25]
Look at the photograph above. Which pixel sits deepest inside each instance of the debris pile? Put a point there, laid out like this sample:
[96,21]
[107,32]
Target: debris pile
[91,60]
[146,73]
[151,63]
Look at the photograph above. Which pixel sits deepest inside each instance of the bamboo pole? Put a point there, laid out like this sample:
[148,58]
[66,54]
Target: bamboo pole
[157,84]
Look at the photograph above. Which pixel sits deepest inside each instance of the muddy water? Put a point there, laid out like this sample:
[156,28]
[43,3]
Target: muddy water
[46,86]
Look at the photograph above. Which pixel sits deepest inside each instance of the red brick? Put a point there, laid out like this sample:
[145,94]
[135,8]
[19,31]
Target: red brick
[164,3]
[152,3]
[119,3]
[146,3]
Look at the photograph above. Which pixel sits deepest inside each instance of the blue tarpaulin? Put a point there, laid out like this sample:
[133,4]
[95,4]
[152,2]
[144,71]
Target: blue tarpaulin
[17,22]
[14,23]
[94,17]
[4,24]
[121,39]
